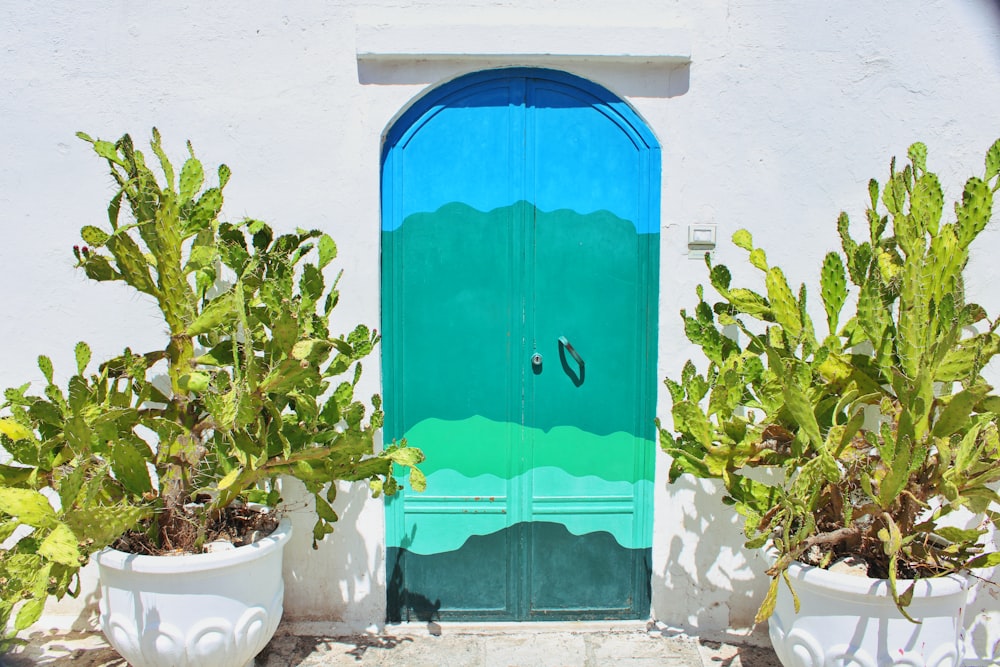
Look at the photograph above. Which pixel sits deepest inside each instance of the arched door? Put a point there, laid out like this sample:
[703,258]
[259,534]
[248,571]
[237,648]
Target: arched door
[520,220]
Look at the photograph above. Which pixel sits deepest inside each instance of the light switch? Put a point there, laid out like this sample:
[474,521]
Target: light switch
[701,235]
[701,239]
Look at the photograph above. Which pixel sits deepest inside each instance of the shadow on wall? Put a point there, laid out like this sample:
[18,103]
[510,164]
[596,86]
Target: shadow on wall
[995,6]
[982,614]
[400,602]
[649,80]
[338,583]
[708,580]
[70,615]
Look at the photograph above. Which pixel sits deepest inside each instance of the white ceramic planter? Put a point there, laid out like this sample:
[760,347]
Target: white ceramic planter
[852,621]
[204,610]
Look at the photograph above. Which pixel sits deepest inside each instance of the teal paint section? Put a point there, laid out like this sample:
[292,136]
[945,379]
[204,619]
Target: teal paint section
[520,218]
[457,257]
[445,523]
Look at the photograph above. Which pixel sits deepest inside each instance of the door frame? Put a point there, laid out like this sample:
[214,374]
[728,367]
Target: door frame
[402,129]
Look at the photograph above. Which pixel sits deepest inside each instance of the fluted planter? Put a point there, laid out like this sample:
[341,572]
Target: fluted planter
[850,620]
[203,610]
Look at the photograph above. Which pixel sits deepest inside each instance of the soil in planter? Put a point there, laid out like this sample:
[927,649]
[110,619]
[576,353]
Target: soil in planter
[860,540]
[861,544]
[236,524]
[877,568]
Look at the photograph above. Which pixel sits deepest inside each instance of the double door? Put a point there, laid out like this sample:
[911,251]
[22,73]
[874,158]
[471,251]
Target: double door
[519,252]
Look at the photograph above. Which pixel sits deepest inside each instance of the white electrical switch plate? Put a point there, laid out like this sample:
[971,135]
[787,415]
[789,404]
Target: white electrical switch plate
[701,235]
[701,239]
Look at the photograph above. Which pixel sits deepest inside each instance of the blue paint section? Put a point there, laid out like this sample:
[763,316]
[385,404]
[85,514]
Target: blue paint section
[460,144]
[576,151]
[433,175]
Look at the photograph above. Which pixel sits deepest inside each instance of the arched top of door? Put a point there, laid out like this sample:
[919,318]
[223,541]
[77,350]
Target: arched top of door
[470,89]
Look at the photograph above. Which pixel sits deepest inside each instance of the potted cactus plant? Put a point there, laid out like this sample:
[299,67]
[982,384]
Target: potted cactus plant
[878,434]
[168,450]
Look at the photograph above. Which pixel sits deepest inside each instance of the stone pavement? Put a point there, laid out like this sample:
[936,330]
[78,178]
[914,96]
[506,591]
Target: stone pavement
[412,645]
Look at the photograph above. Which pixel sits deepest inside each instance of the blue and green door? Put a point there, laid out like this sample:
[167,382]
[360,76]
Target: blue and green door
[520,254]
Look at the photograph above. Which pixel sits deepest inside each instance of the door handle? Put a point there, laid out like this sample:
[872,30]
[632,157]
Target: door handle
[566,346]
[572,352]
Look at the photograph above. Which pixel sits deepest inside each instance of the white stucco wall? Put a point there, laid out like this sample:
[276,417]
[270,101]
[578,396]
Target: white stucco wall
[782,115]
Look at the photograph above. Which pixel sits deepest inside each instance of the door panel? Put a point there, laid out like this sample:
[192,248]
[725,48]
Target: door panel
[519,208]
[586,284]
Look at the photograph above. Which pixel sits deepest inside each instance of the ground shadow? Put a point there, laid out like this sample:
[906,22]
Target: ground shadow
[86,649]
[717,654]
[290,650]
[63,649]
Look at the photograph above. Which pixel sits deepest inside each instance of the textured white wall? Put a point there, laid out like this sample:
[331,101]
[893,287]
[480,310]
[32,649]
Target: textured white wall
[792,107]
[783,114]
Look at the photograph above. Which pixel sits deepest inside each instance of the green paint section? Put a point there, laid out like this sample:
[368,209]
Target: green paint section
[472,582]
[480,446]
[544,480]
[589,278]
[585,576]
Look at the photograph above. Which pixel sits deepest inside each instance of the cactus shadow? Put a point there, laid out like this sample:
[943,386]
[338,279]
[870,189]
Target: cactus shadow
[707,585]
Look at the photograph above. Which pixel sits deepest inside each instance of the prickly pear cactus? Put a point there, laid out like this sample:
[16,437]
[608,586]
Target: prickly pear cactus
[883,427]
[257,385]
[250,356]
